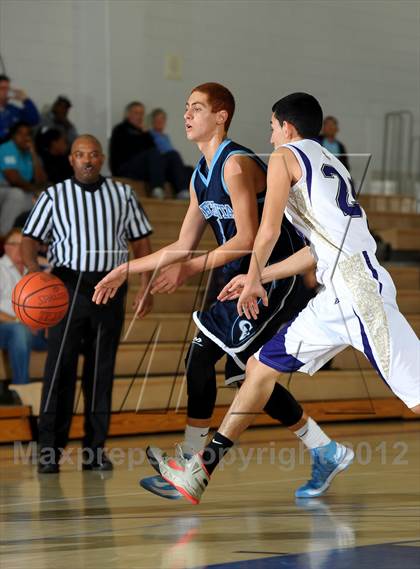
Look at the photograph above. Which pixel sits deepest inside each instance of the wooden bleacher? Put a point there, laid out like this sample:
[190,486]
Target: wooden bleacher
[157,398]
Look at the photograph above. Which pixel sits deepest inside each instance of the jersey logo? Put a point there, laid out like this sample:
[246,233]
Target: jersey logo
[218,210]
[245,327]
[197,340]
[346,198]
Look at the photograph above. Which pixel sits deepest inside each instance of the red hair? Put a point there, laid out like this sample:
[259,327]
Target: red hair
[220,99]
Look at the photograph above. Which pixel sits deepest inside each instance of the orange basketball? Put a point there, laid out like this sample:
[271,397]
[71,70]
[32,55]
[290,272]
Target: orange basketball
[40,300]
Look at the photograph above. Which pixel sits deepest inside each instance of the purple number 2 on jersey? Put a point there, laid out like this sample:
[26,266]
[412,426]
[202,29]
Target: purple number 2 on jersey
[346,196]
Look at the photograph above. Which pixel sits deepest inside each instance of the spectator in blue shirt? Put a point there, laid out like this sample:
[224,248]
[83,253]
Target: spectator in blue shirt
[21,175]
[15,338]
[175,170]
[329,141]
[11,114]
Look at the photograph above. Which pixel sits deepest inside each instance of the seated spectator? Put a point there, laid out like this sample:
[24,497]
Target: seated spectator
[54,151]
[11,114]
[175,170]
[16,338]
[133,153]
[57,118]
[21,175]
[328,140]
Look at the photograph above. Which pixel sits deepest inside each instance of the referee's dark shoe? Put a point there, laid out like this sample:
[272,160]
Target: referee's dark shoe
[99,462]
[51,468]
[48,461]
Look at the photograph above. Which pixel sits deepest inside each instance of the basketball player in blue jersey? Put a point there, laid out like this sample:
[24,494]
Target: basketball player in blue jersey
[227,191]
[355,306]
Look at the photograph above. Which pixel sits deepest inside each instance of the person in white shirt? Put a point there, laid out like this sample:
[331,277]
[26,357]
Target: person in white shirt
[15,338]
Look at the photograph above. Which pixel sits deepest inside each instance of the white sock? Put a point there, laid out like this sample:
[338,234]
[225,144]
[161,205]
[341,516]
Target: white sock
[312,435]
[195,439]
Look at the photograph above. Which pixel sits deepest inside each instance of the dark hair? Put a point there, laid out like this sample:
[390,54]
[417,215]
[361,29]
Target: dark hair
[157,112]
[62,99]
[220,99]
[132,105]
[45,137]
[302,111]
[4,77]
[16,126]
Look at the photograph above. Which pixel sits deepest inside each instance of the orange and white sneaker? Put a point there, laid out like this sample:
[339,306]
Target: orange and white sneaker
[189,477]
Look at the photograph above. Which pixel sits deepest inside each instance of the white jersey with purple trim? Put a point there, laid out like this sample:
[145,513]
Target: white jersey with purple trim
[356,305]
[322,205]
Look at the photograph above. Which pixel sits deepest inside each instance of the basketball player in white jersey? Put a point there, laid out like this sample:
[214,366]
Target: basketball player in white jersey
[356,304]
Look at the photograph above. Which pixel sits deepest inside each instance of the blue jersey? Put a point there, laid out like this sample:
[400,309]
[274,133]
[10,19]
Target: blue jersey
[221,323]
[216,206]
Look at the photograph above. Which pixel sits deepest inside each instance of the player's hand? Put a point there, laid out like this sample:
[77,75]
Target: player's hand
[248,300]
[170,279]
[233,289]
[143,303]
[108,286]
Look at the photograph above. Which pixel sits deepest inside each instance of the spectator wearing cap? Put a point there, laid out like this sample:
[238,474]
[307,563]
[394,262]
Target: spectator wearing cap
[328,139]
[176,172]
[11,114]
[54,151]
[57,118]
[21,175]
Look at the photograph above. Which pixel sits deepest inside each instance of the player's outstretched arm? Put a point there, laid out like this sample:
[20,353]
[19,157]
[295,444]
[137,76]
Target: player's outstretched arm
[298,263]
[190,234]
[243,178]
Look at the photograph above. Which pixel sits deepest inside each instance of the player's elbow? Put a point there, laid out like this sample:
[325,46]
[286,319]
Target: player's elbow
[268,234]
[246,242]
[185,245]
[310,261]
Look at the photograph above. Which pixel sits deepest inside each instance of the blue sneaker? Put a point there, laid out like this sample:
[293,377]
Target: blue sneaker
[157,485]
[327,462]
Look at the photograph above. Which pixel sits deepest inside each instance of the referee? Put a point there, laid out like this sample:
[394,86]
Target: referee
[87,221]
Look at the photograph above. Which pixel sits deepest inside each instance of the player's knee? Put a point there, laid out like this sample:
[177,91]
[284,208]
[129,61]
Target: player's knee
[258,371]
[251,365]
[199,370]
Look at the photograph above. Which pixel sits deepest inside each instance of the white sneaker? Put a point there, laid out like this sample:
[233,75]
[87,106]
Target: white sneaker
[158,193]
[155,455]
[189,477]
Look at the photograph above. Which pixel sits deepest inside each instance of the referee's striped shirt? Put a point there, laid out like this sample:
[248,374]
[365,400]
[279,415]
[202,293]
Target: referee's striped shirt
[87,230]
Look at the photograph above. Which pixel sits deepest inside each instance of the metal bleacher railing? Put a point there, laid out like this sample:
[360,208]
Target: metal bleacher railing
[400,155]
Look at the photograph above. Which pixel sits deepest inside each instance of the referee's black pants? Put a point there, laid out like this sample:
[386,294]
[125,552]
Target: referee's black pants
[94,331]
